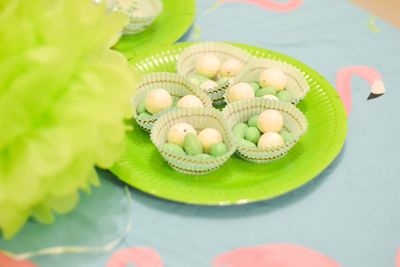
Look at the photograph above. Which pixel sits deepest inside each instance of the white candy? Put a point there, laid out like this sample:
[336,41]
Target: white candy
[230,68]
[240,91]
[209,137]
[273,78]
[208,85]
[270,121]
[157,100]
[270,97]
[270,139]
[189,101]
[177,133]
[208,65]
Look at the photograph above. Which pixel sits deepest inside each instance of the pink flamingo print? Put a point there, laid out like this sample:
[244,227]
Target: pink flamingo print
[277,255]
[343,83]
[140,257]
[6,261]
[270,4]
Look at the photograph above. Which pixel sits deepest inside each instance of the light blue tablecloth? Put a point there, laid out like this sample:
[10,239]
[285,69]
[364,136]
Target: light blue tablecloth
[350,212]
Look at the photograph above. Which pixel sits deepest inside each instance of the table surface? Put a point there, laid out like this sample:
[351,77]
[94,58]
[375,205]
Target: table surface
[348,213]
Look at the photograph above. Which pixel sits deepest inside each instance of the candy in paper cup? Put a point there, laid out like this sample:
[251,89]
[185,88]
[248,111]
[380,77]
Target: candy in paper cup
[175,84]
[293,121]
[199,118]
[141,13]
[187,60]
[297,84]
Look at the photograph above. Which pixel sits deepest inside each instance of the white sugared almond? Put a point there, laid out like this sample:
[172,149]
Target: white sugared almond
[208,65]
[240,91]
[273,78]
[270,121]
[209,137]
[189,101]
[177,133]
[270,97]
[270,140]
[230,68]
[208,85]
[157,100]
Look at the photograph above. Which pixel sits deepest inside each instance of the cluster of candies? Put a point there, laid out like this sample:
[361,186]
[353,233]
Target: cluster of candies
[159,100]
[263,131]
[183,140]
[210,72]
[271,85]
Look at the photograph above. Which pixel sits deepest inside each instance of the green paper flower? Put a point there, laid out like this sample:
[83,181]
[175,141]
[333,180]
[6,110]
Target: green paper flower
[63,97]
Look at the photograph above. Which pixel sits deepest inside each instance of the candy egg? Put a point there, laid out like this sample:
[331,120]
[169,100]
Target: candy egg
[247,143]
[208,65]
[157,100]
[209,137]
[240,91]
[174,149]
[256,86]
[252,134]
[189,101]
[192,144]
[177,133]
[240,130]
[218,149]
[230,68]
[285,95]
[270,97]
[140,108]
[269,140]
[197,79]
[273,77]
[204,157]
[208,85]
[270,121]
[266,91]
[252,122]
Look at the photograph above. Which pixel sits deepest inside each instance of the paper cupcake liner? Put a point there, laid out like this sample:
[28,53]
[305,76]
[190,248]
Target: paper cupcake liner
[175,84]
[199,118]
[141,13]
[293,121]
[297,84]
[187,59]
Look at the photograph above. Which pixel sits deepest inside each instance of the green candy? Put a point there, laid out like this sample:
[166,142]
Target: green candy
[192,144]
[266,91]
[204,157]
[175,100]
[218,149]
[252,134]
[285,95]
[287,137]
[240,129]
[144,116]
[252,122]
[223,80]
[246,143]
[174,149]
[141,108]
[197,79]
[256,86]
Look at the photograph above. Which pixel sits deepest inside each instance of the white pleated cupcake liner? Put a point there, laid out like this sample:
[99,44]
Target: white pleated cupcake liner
[187,60]
[297,84]
[143,14]
[175,84]
[199,118]
[294,122]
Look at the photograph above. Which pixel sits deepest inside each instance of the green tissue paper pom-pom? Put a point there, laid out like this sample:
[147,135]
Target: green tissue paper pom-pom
[63,97]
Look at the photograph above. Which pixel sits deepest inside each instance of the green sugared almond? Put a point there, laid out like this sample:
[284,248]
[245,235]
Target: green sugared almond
[252,134]
[252,122]
[266,91]
[144,115]
[256,86]
[287,137]
[285,95]
[141,108]
[174,149]
[246,143]
[240,130]
[192,144]
[218,149]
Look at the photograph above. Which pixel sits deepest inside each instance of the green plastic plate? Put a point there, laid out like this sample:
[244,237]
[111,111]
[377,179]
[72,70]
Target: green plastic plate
[175,19]
[238,181]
